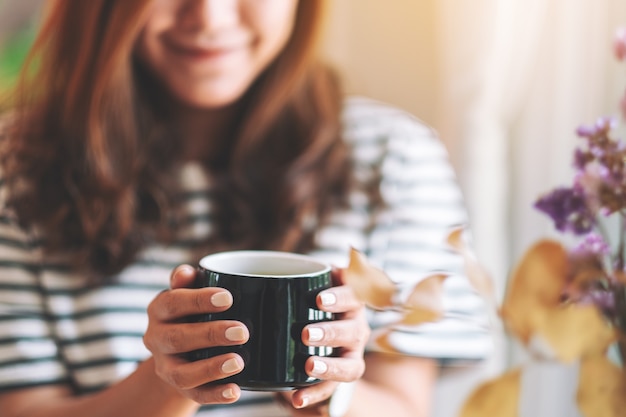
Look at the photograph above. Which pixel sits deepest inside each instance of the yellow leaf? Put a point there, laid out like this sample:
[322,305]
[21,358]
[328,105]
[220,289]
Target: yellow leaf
[586,269]
[370,284]
[384,345]
[601,388]
[536,284]
[620,276]
[498,397]
[541,274]
[475,272]
[417,316]
[425,304]
[575,331]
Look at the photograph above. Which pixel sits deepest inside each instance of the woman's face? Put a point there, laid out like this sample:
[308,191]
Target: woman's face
[208,52]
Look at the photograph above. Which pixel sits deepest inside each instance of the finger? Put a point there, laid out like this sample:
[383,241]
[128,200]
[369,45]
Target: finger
[186,376]
[314,394]
[338,300]
[183,276]
[344,369]
[349,334]
[176,304]
[215,394]
[186,337]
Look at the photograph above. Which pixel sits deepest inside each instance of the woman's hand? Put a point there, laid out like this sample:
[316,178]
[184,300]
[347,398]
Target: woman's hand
[169,336]
[348,334]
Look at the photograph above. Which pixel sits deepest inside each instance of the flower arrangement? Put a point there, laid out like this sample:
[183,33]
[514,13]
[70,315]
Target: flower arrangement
[565,305]
[568,304]
[593,209]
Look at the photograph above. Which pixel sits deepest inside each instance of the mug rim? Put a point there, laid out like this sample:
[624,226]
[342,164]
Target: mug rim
[220,256]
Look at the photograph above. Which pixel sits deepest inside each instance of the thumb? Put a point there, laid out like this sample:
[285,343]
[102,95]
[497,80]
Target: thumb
[183,276]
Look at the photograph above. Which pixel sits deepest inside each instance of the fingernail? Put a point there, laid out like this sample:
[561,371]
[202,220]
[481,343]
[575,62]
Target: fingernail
[230,366]
[319,367]
[315,334]
[229,393]
[328,298]
[221,299]
[235,334]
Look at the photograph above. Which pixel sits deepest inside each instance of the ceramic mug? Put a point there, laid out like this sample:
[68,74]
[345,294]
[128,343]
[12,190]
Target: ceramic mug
[274,295]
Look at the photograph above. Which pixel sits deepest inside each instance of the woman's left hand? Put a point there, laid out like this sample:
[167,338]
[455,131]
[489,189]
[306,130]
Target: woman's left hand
[347,334]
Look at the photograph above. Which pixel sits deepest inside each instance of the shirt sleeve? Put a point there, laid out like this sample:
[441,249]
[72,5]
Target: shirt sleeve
[419,203]
[28,352]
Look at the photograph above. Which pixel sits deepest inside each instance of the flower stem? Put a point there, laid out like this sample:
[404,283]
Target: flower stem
[619,266]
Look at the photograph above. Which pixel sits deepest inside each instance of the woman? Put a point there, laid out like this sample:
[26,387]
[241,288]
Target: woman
[146,134]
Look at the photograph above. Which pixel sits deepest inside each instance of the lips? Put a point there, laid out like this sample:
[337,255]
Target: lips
[215,50]
[200,53]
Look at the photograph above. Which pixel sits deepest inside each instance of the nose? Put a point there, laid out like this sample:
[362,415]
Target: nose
[210,15]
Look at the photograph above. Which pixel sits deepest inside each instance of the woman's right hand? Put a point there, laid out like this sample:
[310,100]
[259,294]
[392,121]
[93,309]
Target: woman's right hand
[169,336]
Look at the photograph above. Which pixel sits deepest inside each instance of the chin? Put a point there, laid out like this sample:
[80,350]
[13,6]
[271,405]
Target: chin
[210,102]
[211,98]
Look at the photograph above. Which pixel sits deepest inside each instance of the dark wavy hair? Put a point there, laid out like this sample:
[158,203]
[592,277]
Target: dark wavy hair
[89,157]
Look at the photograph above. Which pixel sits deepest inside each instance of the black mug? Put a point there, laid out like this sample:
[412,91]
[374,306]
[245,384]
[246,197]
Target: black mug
[274,295]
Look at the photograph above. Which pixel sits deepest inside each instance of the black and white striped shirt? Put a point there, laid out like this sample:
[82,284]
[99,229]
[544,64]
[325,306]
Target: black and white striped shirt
[55,329]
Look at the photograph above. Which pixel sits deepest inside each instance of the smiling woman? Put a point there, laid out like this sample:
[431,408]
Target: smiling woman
[148,134]
[208,53]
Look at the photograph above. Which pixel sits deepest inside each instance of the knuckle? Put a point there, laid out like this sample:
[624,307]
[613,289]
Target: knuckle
[330,333]
[172,339]
[169,305]
[147,340]
[176,378]
[198,301]
[152,307]
[215,334]
[362,335]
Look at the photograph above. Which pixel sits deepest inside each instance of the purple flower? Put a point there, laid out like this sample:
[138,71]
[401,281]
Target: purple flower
[593,244]
[581,159]
[604,299]
[568,209]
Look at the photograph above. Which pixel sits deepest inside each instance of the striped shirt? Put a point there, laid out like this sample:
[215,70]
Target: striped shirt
[57,329]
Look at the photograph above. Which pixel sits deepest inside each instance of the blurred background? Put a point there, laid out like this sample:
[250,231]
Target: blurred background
[504,82]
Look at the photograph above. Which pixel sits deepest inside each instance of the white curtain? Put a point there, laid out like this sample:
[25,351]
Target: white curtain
[543,68]
[518,77]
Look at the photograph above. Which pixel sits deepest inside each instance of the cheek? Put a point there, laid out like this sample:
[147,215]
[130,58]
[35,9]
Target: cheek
[272,21]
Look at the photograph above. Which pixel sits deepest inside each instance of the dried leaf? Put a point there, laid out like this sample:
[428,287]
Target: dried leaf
[497,397]
[384,345]
[417,316]
[601,388]
[575,331]
[536,285]
[541,274]
[370,284]
[476,273]
[620,276]
[425,304]
[585,270]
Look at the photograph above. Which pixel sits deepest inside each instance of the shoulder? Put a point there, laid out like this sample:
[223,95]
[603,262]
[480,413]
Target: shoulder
[368,121]
[365,116]
[370,125]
